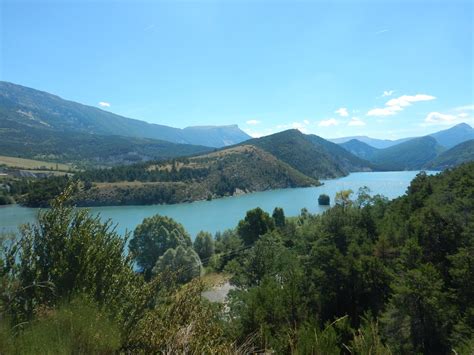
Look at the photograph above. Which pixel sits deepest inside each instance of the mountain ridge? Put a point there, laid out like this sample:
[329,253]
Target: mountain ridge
[448,138]
[35,108]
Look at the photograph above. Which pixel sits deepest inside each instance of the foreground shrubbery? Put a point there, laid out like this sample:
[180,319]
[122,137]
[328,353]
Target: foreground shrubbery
[368,276]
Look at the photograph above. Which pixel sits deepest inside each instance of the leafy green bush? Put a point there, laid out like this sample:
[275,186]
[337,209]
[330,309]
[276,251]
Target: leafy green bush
[153,237]
[204,246]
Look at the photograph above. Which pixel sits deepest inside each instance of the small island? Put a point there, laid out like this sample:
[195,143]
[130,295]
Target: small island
[324,200]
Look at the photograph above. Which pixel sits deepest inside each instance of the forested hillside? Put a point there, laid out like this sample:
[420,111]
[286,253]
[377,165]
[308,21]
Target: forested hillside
[359,149]
[369,276]
[409,155]
[87,150]
[282,160]
[459,154]
[310,154]
[236,170]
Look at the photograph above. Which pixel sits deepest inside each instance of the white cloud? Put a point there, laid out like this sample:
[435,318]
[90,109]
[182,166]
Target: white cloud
[329,122]
[440,118]
[387,111]
[463,115]
[306,122]
[407,100]
[387,93]
[381,31]
[356,121]
[395,105]
[104,104]
[253,122]
[342,112]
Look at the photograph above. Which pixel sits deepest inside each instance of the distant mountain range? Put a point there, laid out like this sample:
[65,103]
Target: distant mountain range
[373,142]
[30,108]
[38,125]
[417,153]
[447,138]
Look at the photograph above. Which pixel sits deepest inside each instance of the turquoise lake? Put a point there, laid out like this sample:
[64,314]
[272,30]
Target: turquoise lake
[224,213]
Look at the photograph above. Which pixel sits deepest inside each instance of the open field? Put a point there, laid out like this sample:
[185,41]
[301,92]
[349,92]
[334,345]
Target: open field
[31,164]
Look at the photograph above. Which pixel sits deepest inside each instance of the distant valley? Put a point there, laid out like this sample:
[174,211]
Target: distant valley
[121,161]
[35,124]
[417,153]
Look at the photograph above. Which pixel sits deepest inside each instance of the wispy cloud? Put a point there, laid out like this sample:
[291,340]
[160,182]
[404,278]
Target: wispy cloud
[381,31]
[456,115]
[329,122]
[398,104]
[440,118]
[356,121]
[253,122]
[104,104]
[342,112]
[388,93]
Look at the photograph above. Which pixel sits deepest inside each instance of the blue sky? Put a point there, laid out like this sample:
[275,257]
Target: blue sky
[387,69]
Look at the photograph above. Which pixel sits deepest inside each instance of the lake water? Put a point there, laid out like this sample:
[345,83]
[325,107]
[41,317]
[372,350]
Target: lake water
[224,213]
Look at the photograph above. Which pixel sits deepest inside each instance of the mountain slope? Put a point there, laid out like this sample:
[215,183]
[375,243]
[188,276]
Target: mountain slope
[37,109]
[86,149]
[447,138]
[214,136]
[226,172]
[453,136]
[311,155]
[410,155]
[459,154]
[360,149]
[350,162]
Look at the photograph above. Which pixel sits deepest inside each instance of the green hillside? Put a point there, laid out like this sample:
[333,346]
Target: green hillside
[410,155]
[459,154]
[86,149]
[359,149]
[311,155]
[228,172]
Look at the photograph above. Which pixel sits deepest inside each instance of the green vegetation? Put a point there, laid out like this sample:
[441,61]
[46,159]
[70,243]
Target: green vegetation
[409,155]
[224,173]
[310,154]
[412,154]
[368,276]
[360,149]
[459,154]
[153,238]
[182,261]
[204,246]
[84,149]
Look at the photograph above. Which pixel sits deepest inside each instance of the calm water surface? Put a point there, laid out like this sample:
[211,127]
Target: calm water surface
[224,213]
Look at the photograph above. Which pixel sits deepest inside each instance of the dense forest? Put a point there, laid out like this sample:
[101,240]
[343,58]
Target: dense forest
[368,276]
